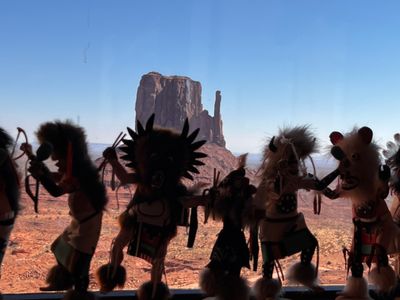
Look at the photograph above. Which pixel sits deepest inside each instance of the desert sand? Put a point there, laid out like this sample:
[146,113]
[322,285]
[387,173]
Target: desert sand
[29,257]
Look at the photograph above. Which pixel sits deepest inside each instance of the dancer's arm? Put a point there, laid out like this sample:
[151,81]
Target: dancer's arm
[124,177]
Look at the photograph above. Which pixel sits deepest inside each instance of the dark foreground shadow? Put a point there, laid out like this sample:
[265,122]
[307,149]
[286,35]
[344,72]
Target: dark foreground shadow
[293,293]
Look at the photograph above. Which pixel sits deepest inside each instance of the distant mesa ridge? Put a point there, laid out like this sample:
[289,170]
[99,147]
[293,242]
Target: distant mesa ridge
[175,98]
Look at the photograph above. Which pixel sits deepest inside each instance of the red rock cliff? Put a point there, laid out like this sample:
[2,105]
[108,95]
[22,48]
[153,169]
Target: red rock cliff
[175,98]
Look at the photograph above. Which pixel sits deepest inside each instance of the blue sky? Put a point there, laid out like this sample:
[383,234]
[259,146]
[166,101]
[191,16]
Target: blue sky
[332,64]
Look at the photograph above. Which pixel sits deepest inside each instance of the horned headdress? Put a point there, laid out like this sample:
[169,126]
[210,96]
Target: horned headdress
[295,143]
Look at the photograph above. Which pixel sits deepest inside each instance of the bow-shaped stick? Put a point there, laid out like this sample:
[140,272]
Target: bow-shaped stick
[20,130]
[42,153]
[27,150]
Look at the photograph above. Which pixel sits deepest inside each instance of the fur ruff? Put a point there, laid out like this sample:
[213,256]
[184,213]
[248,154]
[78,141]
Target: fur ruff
[233,288]
[146,289]
[58,279]
[108,283]
[224,286]
[355,289]
[208,282]
[383,278]
[75,295]
[305,275]
[265,288]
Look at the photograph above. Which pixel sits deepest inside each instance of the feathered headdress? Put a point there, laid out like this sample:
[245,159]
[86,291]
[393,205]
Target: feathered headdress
[234,193]
[152,148]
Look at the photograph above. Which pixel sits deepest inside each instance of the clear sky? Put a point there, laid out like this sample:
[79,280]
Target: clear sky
[332,64]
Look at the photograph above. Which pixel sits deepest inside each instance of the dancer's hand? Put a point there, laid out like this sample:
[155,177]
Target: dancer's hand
[27,148]
[110,153]
[37,169]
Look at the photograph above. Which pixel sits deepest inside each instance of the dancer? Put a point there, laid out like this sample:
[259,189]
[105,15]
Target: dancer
[160,159]
[364,181]
[283,229]
[232,204]
[78,178]
[9,192]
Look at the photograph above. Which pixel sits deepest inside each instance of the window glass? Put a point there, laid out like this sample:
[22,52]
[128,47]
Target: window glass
[330,64]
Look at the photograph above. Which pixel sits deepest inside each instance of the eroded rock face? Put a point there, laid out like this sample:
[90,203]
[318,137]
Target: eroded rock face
[175,98]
